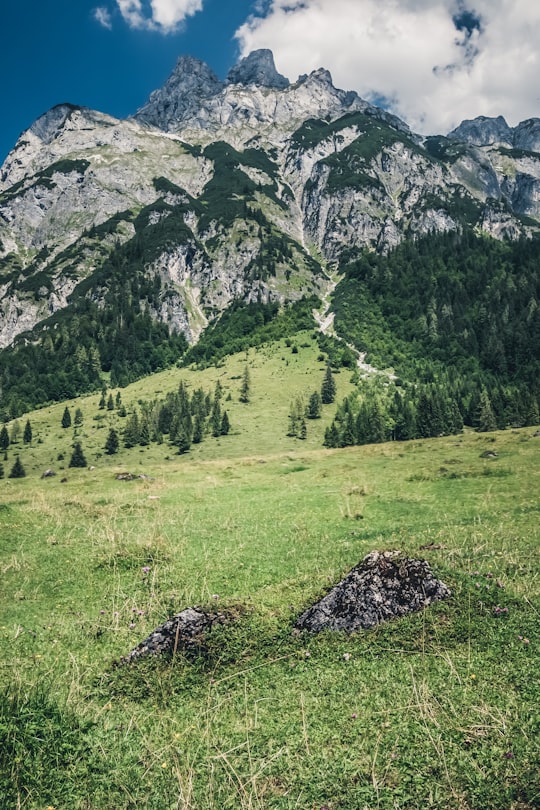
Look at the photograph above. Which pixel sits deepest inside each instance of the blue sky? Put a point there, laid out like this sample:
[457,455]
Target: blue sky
[433,62]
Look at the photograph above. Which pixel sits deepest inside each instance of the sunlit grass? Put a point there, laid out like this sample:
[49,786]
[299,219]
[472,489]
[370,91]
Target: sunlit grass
[436,710]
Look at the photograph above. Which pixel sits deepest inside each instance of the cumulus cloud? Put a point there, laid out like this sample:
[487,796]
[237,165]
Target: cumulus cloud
[432,62]
[158,15]
[103,16]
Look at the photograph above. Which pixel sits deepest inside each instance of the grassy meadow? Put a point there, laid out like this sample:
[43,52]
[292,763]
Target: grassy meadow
[437,710]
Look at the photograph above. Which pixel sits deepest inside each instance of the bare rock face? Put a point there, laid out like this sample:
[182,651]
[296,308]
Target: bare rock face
[184,631]
[383,586]
[258,68]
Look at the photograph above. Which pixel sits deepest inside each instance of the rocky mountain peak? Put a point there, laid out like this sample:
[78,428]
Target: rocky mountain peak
[320,76]
[483,131]
[258,68]
[47,126]
[191,82]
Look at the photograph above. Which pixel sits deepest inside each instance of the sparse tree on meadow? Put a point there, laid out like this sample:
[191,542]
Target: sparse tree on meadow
[112,443]
[17,471]
[4,438]
[78,418]
[328,387]
[110,403]
[66,418]
[245,388]
[225,424]
[27,435]
[77,457]
[313,410]
[15,432]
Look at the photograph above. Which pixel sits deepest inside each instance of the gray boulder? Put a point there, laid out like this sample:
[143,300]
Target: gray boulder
[183,632]
[383,586]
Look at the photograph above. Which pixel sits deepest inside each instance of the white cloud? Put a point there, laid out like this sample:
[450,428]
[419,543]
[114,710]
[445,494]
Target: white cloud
[132,12]
[103,16]
[158,15]
[435,62]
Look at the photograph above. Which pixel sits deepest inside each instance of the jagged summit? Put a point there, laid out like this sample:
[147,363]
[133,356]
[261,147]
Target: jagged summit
[485,131]
[191,82]
[258,68]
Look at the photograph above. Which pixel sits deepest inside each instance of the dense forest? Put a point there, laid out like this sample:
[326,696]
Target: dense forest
[456,300]
[456,316]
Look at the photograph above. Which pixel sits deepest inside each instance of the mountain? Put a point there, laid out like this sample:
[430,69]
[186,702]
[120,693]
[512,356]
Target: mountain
[118,234]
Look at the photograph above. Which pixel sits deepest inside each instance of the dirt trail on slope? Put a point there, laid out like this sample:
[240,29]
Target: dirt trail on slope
[325,321]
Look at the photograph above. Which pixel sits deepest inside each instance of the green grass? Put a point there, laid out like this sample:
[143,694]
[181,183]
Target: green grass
[438,710]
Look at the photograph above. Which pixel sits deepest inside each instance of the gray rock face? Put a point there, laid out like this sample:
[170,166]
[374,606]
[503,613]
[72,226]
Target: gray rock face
[183,632]
[189,85]
[383,586]
[258,68]
[483,131]
[325,168]
[527,135]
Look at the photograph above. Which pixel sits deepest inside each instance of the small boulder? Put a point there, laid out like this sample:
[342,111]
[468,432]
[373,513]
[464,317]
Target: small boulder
[183,632]
[383,586]
[48,474]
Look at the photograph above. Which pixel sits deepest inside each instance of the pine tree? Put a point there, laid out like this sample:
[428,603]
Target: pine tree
[112,443]
[331,436]
[77,457]
[183,440]
[225,424]
[27,435]
[132,431]
[295,415]
[215,418]
[246,385]
[110,403]
[4,438]
[198,429]
[1,470]
[78,418]
[66,418]
[486,418]
[302,434]
[118,399]
[17,471]
[328,387]
[15,432]
[313,410]
[144,431]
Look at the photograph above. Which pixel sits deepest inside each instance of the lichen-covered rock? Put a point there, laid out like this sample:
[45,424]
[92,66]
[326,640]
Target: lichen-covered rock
[383,586]
[183,632]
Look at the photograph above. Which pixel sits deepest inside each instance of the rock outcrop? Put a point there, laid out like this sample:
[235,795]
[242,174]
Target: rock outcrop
[383,586]
[184,632]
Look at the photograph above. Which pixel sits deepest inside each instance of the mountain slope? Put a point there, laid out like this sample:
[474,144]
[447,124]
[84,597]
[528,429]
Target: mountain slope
[219,192]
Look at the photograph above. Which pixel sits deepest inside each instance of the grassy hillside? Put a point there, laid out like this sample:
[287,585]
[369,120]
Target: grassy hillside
[437,710]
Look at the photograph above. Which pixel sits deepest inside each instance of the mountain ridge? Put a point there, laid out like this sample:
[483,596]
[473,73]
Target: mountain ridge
[243,190]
